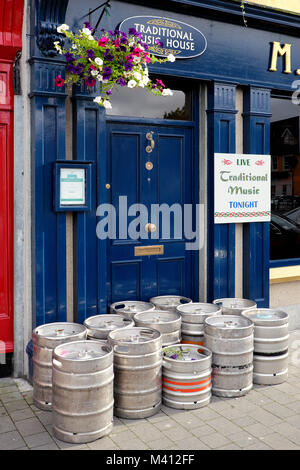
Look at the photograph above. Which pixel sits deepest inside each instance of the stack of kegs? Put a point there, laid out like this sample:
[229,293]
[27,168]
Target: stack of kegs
[230,339]
[271,339]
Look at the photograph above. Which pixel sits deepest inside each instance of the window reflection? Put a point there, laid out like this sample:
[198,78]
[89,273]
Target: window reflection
[140,103]
[285,185]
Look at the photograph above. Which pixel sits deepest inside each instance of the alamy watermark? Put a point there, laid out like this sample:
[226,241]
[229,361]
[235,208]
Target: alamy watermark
[159,221]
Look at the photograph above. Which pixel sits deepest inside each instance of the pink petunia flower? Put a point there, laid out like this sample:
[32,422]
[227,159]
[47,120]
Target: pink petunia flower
[103,41]
[59,81]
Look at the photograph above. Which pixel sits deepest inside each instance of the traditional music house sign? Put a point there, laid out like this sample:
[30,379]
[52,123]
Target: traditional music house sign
[242,188]
[180,39]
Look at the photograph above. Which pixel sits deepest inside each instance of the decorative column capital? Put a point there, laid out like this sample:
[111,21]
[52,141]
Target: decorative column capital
[49,15]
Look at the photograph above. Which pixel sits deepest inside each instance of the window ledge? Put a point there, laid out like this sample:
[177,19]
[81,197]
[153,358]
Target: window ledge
[284,274]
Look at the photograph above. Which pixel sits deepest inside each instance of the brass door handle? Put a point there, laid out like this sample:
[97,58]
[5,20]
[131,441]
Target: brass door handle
[150,228]
[149,136]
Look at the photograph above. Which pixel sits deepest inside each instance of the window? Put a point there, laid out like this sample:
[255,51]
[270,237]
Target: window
[140,103]
[285,184]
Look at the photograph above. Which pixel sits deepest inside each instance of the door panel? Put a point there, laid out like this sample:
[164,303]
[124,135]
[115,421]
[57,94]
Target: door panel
[168,182]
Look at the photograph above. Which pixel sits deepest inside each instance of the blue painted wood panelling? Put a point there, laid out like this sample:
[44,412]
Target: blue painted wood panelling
[49,231]
[221,237]
[89,251]
[256,245]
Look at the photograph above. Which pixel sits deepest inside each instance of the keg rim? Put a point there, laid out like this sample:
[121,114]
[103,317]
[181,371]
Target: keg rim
[193,346]
[124,302]
[181,308]
[53,324]
[87,341]
[236,299]
[155,312]
[209,321]
[135,328]
[247,313]
[154,299]
[120,317]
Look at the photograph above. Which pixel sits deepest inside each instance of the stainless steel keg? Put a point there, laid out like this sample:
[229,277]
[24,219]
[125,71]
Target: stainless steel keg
[169,302]
[230,338]
[45,338]
[186,376]
[167,323]
[192,320]
[82,391]
[137,369]
[232,306]
[99,326]
[129,308]
[271,341]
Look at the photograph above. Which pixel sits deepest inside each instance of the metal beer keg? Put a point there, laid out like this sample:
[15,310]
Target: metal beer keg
[129,308]
[137,369]
[167,323]
[186,376]
[45,338]
[99,326]
[192,320]
[232,306]
[82,391]
[230,338]
[169,302]
[271,341]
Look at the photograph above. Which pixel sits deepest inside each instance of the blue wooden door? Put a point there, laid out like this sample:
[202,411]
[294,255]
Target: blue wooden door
[163,176]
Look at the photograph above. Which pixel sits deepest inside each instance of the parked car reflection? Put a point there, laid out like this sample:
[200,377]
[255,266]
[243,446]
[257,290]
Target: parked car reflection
[294,215]
[284,238]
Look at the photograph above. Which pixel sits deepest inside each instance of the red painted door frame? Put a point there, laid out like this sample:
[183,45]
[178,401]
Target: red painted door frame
[10,43]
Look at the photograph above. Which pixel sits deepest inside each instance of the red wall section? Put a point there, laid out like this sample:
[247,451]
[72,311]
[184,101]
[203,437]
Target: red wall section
[11,17]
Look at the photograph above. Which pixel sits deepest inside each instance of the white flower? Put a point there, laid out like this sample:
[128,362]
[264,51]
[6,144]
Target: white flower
[99,61]
[74,46]
[146,71]
[146,79]
[141,84]
[131,84]
[171,58]
[98,99]
[107,104]
[127,74]
[86,31]
[58,46]
[62,28]
[91,38]
[94,73]
[99,78]
[136,59]
[167,92]
[137,75]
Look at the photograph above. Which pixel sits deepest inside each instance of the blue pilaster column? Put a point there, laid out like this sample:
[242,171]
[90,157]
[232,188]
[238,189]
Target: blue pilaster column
[89,143]
[221,237]
[256,244]
[48,123]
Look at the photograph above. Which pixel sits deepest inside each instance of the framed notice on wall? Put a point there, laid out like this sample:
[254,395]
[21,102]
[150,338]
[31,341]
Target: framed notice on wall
[242,188]
[72,189]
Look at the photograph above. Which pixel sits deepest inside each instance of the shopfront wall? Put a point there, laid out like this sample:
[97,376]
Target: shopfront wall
[231,85]
[10,44]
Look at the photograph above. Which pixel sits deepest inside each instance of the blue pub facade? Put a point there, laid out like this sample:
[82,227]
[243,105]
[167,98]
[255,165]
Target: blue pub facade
[224,80]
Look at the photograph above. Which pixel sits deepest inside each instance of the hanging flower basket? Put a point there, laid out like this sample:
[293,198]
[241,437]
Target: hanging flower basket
[113,59]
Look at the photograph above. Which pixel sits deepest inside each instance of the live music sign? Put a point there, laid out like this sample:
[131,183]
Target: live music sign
[242,188]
